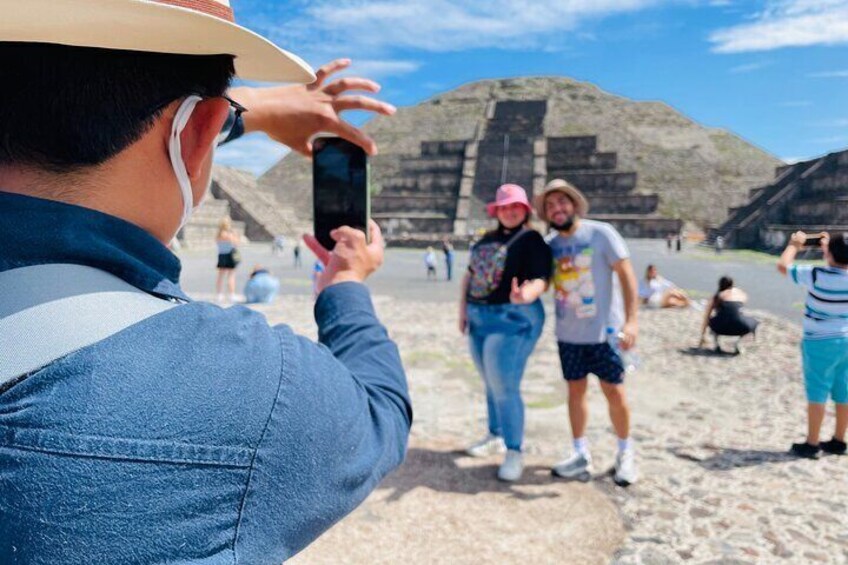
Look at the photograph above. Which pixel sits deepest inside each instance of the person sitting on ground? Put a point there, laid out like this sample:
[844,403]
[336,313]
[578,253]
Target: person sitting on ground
[656,291]
[262,287]
[824,348]
[723,315]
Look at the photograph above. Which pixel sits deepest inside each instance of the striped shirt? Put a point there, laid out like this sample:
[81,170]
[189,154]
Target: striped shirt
[826,308]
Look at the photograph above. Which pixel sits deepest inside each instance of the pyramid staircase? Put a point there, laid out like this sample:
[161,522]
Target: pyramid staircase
[810,195]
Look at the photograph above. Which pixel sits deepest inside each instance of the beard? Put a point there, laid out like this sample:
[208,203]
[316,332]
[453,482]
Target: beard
[566,225]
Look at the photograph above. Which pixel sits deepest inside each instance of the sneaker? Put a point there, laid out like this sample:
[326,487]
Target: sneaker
[577,466]
[625,468]
[490,445]
[834,447]
[805,450]
[512,467]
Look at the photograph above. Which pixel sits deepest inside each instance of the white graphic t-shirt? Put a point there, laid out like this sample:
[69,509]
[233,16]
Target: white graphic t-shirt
[583,281]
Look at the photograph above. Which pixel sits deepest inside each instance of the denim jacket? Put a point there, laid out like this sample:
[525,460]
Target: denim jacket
[199,435]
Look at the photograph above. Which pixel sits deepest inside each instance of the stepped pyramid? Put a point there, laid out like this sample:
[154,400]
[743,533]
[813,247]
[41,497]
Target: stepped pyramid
[809,195]
[257,214]
[644,166]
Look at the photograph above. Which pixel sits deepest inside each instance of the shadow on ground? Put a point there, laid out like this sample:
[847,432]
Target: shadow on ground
[455,472]
[725,459]
[702,352]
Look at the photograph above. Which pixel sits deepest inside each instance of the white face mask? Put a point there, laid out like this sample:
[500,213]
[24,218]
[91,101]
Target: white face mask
[175,149]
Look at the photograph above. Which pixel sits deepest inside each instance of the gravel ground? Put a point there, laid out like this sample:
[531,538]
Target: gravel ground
[711,430]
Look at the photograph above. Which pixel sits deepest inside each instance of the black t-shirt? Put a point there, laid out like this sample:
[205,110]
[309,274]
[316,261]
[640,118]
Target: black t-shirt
[499,257]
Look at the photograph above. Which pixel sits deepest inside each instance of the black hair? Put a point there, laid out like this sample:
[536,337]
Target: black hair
[64,108]
[838,247]
[724,283]
[648,270]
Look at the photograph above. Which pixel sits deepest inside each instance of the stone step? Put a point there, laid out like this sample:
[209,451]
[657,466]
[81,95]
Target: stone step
[624,203]
[829,183]
[640,226]
[262,213]
[592,181]
[203,235]
[573,145]
[442,148]
[440,204]
[399,226]
[433,164]
[560,162]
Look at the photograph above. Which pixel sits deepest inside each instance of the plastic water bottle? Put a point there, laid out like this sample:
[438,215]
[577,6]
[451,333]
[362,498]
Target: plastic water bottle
[629,358]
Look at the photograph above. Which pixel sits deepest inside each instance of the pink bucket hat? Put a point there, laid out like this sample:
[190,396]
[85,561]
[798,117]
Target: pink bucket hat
[509,194]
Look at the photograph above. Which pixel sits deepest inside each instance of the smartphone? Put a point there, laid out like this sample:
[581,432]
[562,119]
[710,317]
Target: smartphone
[813,241]
[340,194]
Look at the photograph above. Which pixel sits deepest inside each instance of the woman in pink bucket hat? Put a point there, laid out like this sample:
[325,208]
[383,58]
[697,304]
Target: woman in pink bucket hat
[502,314]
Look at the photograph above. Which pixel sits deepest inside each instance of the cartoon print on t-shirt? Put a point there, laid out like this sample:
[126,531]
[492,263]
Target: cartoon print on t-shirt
[574,287]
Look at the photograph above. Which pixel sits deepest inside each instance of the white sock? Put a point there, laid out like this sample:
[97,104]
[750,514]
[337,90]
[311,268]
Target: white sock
[581,446]
[625,444]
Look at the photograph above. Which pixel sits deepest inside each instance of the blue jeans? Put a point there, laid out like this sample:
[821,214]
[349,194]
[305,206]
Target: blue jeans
[502,337]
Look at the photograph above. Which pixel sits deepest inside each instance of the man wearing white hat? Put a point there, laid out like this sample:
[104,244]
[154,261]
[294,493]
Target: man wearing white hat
[588,257]
[138,426]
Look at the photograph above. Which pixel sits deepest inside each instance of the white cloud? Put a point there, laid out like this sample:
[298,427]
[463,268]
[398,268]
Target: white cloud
[829,74]
[375,27]
[254,152]
[787,23]
[379,68]
[750,67]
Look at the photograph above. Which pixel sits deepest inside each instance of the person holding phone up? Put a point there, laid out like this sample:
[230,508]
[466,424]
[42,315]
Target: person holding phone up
[138,425]
[824,347]
[502,314]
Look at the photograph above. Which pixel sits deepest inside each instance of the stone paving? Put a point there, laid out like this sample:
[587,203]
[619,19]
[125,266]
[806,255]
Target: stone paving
[711,430]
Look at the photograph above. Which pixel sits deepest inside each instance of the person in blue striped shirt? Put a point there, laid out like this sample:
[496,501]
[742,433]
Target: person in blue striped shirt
[825,345]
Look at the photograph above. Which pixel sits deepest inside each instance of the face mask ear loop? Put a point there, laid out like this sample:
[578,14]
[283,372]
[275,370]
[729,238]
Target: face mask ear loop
[176,153]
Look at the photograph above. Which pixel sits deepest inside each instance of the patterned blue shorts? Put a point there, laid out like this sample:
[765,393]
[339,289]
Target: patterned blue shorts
[580,359]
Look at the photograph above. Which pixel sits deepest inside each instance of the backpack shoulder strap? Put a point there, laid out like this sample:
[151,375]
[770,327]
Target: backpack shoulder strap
[49,311]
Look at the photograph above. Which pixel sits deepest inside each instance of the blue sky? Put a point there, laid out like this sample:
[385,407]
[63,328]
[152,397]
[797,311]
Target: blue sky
[773,71]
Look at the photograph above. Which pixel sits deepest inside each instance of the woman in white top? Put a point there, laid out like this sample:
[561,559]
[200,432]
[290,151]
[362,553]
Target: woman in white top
[656,291]
[227,241]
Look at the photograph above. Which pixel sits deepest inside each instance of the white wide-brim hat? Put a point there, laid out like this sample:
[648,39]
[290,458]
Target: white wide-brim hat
[183,27]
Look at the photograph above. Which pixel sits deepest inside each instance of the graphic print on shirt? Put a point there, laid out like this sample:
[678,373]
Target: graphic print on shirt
[574,286]
[487,266]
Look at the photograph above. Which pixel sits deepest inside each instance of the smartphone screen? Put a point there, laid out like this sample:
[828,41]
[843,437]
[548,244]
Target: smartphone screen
[813,241]
[339,187]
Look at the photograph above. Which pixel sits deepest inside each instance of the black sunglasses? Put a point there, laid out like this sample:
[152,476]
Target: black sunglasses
[238,109]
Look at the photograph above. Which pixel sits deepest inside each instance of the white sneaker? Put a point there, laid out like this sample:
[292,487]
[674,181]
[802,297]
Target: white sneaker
[625,468]
[512,467]
[577,466]
[489,445]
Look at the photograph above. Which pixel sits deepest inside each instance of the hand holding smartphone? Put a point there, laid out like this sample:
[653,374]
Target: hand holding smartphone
[339,188]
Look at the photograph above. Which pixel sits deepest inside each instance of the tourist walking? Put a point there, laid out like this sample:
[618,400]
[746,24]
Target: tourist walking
[430,263]
[724,317]
[719,245]
[824,348]
[296,251]
[587,254]
[229,257]
[501,312]
[138,425]
[447,249]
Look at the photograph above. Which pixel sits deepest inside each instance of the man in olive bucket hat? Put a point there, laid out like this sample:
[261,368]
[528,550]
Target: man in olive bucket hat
[587,254]
[136,425]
